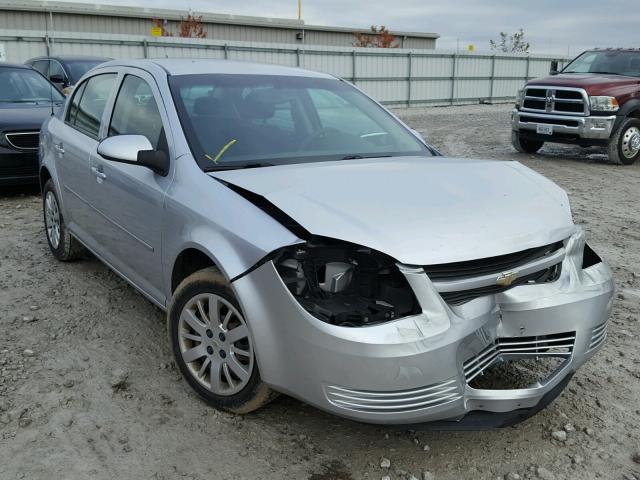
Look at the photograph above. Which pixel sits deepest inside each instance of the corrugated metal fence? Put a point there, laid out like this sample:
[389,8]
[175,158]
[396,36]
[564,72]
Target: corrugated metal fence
[396,77]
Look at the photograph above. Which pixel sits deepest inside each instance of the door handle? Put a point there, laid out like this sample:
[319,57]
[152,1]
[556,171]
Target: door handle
[59,147]
[98,173]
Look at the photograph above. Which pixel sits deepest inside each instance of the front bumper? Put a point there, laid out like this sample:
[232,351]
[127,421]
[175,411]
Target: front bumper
[18,168]
[565,127]
[415,369]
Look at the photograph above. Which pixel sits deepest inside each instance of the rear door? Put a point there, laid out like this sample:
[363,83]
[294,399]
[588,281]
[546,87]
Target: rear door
[73,143]
[129,199]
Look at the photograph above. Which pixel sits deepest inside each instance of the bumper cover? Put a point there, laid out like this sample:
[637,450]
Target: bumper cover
[415,369]
[587,128]
[18,168]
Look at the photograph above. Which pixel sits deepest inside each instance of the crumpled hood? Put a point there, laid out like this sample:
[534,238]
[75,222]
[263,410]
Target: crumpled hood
[420,211]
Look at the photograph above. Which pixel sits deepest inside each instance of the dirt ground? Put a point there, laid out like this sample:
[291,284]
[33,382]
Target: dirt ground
[70,334]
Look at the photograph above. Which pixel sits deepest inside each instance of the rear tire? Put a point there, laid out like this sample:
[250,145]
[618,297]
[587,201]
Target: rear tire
[62,244]
[523,145]
[624,144]
[213,346]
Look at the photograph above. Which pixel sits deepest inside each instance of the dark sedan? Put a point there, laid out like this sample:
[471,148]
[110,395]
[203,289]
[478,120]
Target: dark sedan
[26,100]
[65,70]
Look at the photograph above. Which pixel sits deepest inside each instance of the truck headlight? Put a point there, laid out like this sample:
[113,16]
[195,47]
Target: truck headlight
[345,284]
[604,104]
[520,98]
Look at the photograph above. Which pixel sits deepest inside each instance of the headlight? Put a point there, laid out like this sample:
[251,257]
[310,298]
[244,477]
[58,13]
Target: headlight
[604,104]
[520,98]
[344,284]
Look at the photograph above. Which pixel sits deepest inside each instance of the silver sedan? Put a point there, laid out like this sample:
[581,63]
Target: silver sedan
[303,240]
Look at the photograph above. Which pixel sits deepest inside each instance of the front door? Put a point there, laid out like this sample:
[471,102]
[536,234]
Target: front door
[129,199]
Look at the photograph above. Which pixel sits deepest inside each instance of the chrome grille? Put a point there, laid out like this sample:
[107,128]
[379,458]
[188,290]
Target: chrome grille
[23,140]
[399,401]
[598,336]
[557,345]
[565,101]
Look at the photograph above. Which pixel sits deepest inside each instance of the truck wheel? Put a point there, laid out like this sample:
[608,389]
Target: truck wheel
[213,346]
[523,145]
[61,243]
[624,145]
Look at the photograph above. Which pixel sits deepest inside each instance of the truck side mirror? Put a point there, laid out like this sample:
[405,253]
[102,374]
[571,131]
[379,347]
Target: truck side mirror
[554,67]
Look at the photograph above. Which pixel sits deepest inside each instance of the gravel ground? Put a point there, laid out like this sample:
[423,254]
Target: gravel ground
[87,388]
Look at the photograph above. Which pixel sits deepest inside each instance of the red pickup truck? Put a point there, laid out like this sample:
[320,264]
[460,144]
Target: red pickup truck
[594,100]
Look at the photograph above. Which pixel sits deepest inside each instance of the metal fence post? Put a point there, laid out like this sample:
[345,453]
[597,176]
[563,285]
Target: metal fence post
[226,51]
[353,66]
[493,77]
[453,77]
[410,74]
[297,57]
[145,47]
[528,66]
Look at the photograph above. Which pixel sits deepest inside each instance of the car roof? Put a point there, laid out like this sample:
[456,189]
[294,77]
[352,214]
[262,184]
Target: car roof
[15,65]
[183,66]
[69,58]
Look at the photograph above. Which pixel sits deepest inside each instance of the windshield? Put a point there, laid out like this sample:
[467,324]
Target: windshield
[234,121]
[616,62]
[77,68]
[22,85]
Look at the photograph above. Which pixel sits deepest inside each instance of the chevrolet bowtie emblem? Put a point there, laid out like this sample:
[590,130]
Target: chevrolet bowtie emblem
[506,278]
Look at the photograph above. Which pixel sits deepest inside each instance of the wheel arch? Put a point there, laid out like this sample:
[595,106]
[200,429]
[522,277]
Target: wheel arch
[44,175]
[190,260]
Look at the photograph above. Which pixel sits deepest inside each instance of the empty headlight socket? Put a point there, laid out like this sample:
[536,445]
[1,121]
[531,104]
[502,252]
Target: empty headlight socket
[345,284]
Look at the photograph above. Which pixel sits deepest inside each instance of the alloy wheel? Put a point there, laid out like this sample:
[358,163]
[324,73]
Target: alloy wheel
[215,344]
[52,219]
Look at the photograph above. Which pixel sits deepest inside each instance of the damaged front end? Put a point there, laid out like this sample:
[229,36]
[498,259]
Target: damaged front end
[350,330]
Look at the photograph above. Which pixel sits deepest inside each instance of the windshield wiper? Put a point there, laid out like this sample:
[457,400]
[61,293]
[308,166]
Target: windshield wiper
[358,157]
[218,168]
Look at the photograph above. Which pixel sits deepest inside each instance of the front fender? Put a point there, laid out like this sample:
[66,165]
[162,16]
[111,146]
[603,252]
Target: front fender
[204,214]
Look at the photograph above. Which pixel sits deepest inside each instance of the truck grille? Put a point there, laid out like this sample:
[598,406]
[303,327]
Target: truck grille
[565,101]
[24,140]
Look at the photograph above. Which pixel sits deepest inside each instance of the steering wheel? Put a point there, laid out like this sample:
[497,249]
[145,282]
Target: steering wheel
[324,132]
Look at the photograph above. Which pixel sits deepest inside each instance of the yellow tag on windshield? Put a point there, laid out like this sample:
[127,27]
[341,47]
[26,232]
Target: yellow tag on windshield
[221,152]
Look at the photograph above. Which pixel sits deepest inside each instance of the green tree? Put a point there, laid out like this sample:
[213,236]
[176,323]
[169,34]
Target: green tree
[510,43]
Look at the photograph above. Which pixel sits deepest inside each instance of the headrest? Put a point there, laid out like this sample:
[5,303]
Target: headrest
[257,106]
[207,106]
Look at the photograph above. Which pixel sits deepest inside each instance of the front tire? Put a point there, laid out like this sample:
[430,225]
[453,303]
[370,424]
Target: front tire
[524,145]
[624,145]
[61,243]
[212,344]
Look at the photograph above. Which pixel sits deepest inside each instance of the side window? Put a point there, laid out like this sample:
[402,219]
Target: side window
[136,112]
[56,70]
[42,66]
[92,104]
[72,112]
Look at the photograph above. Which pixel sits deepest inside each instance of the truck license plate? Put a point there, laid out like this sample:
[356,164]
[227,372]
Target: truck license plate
[545,130]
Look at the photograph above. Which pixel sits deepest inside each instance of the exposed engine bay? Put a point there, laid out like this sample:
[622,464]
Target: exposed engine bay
[345,284]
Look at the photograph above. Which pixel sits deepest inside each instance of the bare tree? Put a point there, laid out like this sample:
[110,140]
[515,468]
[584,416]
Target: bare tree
[380,37]
[510,43]
[189,27]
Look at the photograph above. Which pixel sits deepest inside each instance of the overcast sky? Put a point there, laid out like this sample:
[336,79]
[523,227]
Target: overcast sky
[551,26]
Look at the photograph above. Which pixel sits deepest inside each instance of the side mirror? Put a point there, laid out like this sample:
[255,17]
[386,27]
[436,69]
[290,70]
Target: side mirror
[554,68]
[57,78]
[134,150]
